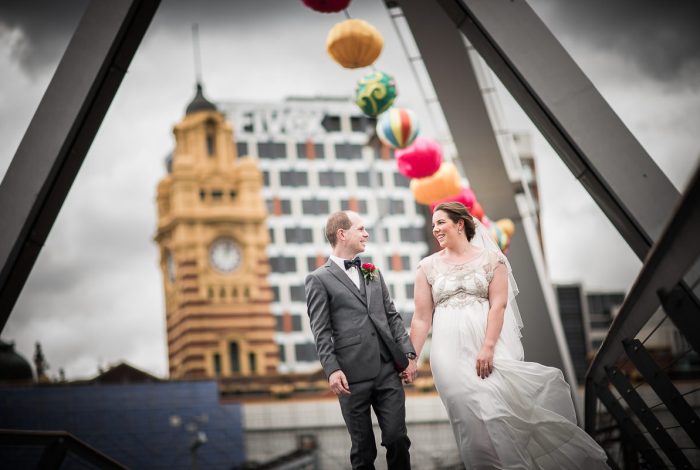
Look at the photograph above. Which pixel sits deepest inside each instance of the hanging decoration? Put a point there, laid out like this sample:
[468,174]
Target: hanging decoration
[420,159]
[507,226]
[466,196]
[354,43]
[397,127]
[327,6]
[477,211]
[444,183]
[375,93]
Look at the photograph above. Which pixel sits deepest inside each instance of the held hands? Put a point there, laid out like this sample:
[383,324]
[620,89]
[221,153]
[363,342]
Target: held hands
[408,375]
[339,383]
[484,361]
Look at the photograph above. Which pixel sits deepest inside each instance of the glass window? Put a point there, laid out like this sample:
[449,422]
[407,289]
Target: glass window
[396,206]
[272,150]
[318,150]
[234,357]
[311,263]
[270,205]
[279,323]
[271,232]
[361,123]
[347,151]
[364,180]
[392,290]
[217,364]
[266,177]
[283,264]
[294,178]
[361,205]
[412,234]
[297,293]
[331,123]
[315,206]
[216,195]
[403,262]
[400,181]
[283,353]
[306,352]
[252,362]
[298,235]
[409,291]
[331,178]
[275,293]
[241,149]
[407,317]
[296,322]
[202,195]
[232,194]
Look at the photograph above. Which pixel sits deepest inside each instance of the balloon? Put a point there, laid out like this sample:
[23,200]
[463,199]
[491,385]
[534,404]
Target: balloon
[445,182]
[465,196]
[507,226]
[397,127]
[354,43]
[375,93]
[500,237]
[421,159]
[327,6]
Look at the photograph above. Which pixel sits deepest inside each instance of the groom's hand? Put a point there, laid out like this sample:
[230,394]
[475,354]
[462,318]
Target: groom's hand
[338,383]
[409,373]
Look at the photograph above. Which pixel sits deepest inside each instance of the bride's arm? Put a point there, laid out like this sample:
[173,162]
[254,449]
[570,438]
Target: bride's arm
[498,297]
[423,312]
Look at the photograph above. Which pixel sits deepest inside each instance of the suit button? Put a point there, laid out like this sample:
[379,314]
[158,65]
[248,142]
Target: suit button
[374,334]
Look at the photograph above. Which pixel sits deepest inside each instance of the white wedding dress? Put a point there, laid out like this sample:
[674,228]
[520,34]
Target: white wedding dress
[521,416]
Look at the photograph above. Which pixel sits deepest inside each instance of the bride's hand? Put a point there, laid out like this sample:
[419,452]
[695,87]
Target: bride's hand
[484,361]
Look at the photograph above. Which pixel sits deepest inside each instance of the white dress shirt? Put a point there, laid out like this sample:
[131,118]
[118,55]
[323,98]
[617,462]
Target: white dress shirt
[352,272]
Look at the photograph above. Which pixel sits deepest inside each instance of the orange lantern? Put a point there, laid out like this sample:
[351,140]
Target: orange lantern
[354,43]
[443,183]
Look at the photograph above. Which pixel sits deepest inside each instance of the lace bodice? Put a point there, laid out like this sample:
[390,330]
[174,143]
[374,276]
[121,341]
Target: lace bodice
[457,285]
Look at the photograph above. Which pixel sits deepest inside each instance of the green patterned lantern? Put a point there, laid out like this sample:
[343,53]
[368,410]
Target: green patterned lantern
[375,93]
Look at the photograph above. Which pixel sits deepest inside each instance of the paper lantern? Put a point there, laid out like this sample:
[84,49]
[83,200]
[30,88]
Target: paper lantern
[327,6]
[421,159]
[465,196]
[375,93]
[500,237]
[507,226]
[397,127]
[477,211]
[444,183]
[354,43]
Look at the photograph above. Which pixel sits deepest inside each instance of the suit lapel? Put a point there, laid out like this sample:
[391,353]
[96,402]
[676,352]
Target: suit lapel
[343,278]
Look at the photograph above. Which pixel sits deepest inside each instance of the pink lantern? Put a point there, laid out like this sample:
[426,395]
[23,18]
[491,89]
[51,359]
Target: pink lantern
[327,6]
[466,196]
[420,159]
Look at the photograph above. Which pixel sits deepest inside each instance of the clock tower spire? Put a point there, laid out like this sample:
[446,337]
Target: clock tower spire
[213,238]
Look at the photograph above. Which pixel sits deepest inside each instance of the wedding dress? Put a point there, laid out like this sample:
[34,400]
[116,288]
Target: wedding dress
[519,417]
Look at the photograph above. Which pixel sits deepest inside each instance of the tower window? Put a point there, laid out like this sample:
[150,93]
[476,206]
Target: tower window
[202,195]
[210,130]
[232,194]
[217,364]
[216,195]
[234,357]
[210,145]
[252,363]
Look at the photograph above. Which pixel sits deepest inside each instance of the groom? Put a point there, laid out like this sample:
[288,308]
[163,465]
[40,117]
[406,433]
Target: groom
[362,344]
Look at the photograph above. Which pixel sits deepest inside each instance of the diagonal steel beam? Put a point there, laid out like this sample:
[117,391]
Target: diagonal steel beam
[61,132]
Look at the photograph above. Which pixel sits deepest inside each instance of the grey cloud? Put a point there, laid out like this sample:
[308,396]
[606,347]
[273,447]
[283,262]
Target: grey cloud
[661,38]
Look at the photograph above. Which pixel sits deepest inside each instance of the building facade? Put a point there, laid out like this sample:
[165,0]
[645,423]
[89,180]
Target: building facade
[213,237]
[317,156]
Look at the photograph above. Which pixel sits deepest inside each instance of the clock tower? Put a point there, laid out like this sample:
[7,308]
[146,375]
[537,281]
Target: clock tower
[213,237]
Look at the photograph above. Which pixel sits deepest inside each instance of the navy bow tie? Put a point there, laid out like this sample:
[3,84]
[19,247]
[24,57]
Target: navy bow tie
[353,262]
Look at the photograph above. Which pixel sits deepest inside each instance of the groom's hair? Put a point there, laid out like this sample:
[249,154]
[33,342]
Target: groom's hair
[336,221]
[457,211]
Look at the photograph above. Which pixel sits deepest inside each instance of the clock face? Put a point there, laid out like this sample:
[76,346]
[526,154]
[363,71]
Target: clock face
[224,255]
[170,265]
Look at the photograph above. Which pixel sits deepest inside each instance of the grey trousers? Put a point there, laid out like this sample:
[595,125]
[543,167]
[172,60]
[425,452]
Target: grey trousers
[386,396]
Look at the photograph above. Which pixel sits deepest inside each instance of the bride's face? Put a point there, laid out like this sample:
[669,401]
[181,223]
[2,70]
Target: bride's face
[444,230]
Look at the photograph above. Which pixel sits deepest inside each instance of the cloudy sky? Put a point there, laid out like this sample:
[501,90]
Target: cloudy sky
[94,296]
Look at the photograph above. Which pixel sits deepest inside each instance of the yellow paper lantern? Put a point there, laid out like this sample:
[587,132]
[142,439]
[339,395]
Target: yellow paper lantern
[443,183]
[354,43]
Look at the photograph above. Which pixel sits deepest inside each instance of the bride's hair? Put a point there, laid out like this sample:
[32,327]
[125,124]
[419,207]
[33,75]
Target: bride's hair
[457,211]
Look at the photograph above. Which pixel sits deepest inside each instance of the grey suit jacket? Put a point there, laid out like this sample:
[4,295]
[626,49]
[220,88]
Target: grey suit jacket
[345,324]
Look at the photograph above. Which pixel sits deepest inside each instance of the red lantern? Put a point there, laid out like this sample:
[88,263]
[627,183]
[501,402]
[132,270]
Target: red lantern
[477,211]
[466,196]
[327,6]
[420,159]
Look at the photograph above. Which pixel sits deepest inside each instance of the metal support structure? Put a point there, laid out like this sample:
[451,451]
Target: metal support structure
[681,309]
[54,454]
[628,428]
[664,388]
[61,132]
[647,418]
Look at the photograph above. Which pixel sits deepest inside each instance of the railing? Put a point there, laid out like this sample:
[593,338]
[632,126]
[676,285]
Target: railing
[57,445]
[642,386]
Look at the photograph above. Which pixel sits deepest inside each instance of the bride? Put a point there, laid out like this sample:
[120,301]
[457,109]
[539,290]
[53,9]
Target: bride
[505,413]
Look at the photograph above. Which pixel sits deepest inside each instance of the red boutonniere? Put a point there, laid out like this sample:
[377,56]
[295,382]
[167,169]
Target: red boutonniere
[369,271]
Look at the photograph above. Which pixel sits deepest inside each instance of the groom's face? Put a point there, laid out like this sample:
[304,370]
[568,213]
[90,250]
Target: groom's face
[356,236]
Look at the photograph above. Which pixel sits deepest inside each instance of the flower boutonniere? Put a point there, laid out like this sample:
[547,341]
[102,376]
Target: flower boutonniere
[369,271]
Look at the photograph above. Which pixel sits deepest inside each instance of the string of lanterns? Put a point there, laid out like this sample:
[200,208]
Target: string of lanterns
[355,43]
